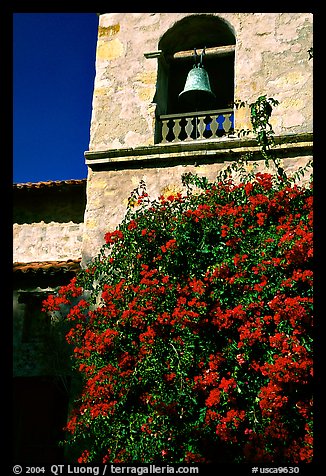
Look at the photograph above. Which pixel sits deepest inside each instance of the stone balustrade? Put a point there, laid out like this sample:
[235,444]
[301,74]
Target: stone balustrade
[196,125]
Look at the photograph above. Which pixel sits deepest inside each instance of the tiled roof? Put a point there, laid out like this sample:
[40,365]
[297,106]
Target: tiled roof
[48,266]
[48,184]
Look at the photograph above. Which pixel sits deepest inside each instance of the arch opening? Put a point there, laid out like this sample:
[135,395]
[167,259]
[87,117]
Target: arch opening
[195,31]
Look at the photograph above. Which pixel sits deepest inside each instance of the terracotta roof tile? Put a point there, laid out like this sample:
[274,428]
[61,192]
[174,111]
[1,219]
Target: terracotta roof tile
[47,266]
[48,184]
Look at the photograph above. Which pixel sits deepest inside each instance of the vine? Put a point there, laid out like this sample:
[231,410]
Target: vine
[260,114]
[192,328]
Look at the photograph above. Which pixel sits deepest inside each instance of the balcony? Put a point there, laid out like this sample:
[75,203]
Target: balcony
[196,126]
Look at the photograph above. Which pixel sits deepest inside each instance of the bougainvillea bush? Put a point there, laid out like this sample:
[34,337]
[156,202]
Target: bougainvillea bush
[192,329]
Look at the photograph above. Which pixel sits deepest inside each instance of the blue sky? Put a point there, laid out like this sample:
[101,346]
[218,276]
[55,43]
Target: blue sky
[53,80]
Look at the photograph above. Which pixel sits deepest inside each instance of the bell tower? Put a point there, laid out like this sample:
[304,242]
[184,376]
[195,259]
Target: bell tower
[142,128]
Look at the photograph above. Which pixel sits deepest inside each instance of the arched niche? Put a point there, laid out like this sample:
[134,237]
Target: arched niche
[177,58]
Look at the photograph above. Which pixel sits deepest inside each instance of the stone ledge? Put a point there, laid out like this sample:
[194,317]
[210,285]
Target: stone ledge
[180,152]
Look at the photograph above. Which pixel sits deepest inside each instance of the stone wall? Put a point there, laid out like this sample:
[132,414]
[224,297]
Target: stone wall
[47,241]
[271,57]
[48,220]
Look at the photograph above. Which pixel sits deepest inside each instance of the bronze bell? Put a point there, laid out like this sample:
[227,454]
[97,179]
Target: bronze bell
[197,91]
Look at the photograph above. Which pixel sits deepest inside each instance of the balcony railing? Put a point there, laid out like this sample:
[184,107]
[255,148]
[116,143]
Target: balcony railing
[196,125]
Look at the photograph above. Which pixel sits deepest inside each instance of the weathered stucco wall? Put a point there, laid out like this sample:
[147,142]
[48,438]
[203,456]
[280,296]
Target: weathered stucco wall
[47,241]
[271,58]
[48,220]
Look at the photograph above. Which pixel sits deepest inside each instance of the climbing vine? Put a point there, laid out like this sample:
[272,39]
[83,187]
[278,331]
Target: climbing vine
[192,328]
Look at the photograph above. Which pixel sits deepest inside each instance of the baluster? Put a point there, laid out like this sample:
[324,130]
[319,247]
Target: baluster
[165,131]
[176,129]
[188,128]
[214,126]
[227,123]
[201,127]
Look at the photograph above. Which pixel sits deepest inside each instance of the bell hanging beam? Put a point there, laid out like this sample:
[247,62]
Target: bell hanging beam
[209,52]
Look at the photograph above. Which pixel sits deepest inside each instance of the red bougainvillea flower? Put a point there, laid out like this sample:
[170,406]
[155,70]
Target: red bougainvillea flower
[191,331]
